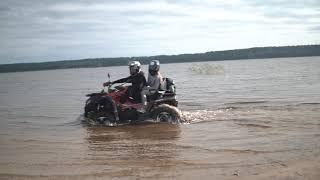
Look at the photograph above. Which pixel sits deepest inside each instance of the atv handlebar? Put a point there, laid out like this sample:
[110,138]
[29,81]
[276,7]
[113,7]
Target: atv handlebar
[112,88]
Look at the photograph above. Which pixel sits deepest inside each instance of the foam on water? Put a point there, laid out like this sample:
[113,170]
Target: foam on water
[207,69]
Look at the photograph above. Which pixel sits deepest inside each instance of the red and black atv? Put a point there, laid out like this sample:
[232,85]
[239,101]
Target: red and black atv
[114,107]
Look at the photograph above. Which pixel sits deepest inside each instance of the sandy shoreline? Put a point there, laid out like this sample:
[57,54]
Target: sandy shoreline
[305,169]
[295,170]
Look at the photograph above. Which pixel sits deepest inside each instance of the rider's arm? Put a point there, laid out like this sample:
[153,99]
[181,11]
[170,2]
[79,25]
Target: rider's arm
[143,80]
[127,79]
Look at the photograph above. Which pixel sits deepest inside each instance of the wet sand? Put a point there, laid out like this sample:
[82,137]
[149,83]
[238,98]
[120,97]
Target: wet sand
[303,169]
[295,170]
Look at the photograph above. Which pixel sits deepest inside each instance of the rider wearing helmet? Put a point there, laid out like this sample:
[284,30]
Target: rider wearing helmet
[137,79]
[154,83]
[154,77]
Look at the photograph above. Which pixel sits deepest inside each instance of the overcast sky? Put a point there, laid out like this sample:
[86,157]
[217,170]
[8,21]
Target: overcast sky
[48,30]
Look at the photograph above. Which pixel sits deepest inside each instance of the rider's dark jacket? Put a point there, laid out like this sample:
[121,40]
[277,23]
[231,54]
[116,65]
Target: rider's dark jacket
[138,81]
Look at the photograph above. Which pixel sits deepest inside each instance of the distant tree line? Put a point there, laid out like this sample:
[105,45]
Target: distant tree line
[251,53]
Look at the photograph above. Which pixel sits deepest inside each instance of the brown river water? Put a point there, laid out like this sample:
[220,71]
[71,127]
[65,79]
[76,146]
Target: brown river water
[241,119]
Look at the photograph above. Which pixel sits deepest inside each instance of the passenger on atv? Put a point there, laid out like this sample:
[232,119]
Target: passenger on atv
[154,83]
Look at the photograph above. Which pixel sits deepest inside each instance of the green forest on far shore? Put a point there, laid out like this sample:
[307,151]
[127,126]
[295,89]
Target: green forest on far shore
[237,54]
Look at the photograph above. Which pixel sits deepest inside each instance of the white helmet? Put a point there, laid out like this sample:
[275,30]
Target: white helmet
[134,67]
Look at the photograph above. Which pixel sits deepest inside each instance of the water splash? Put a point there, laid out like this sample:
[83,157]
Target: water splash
[187,117]
[207,69]
[198,116]
[99,122]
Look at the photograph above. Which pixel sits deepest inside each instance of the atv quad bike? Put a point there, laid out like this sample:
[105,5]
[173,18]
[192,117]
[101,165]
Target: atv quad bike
[115,107]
